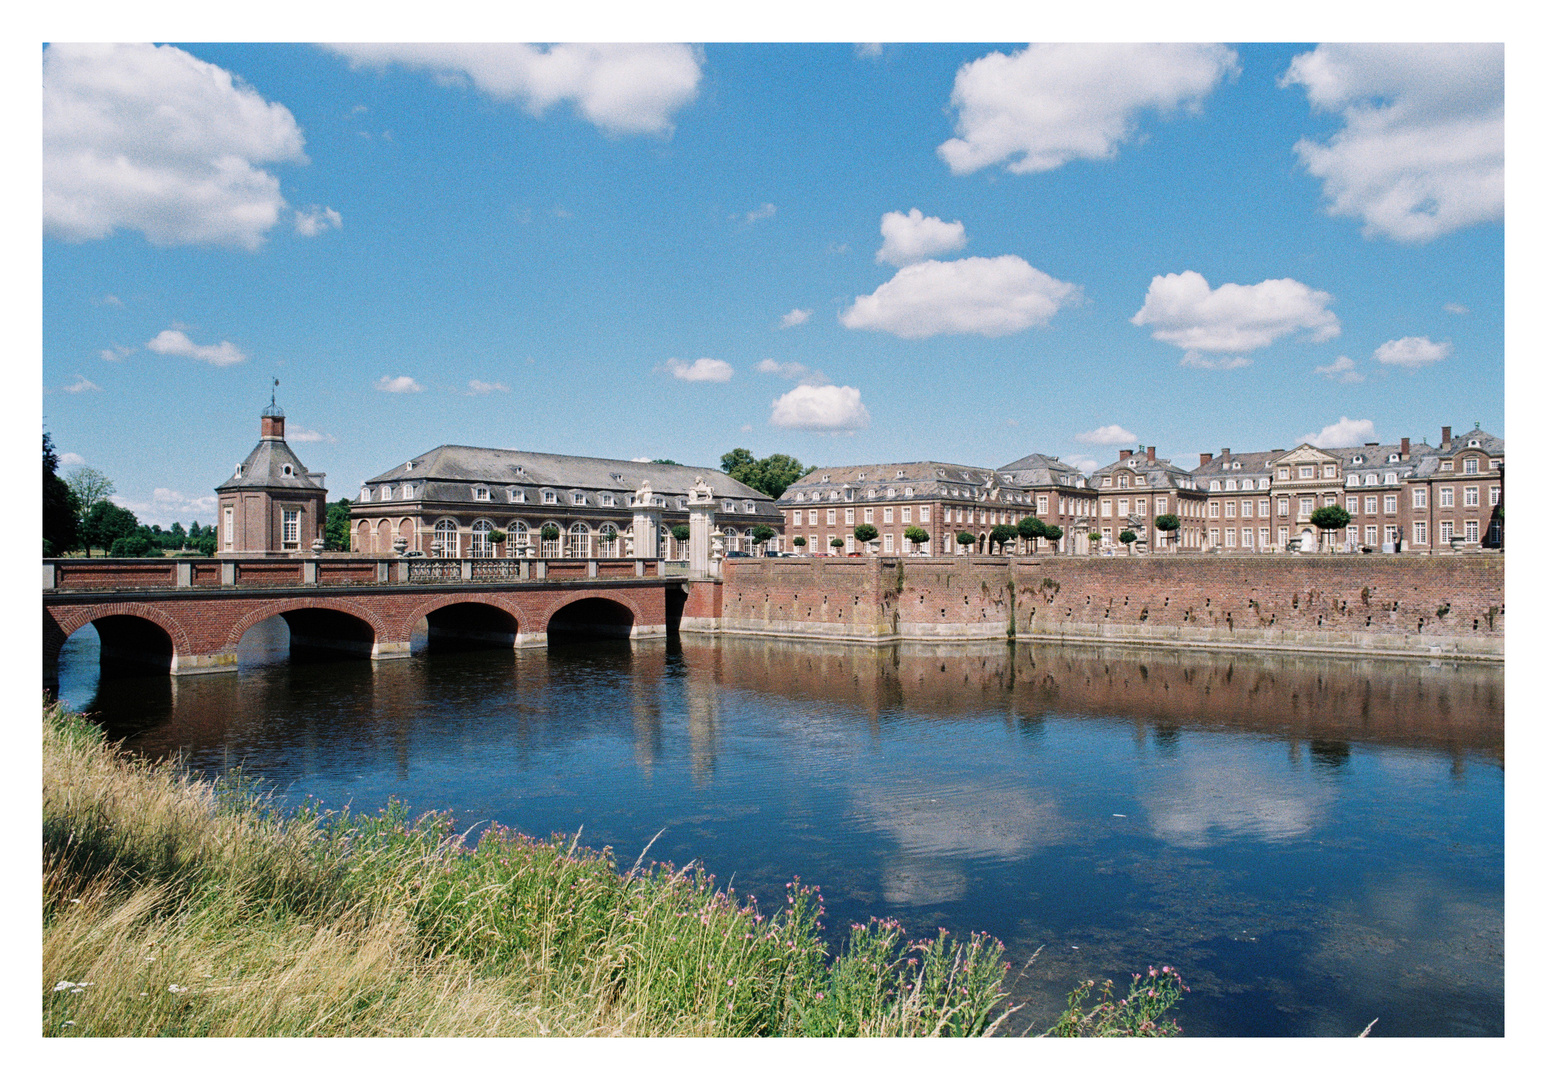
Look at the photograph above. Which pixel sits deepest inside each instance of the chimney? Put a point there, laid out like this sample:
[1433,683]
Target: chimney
[1372,444]
[272,427]
[1150,453]
[1204,459]
[1444,436]
[1224,452]
[1406,446]
[1124,455]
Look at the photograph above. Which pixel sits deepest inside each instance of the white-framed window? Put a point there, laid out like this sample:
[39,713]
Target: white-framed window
[1469,496]
[1230,538]
[447,544]
[1369,504]
[1353,504]
[386,493]
[1391,478]
[1391,504]
[1041,504]
[481,548]
[1370,533]
[607,541]
[1447,466]
[1329,471]
[550,549]
[907,515]
[1447,531]
[1122,507]
[1307,472]
[1307,504]
[1391,534]
[1141,506]
[1471,532]
[577,498]
[551,498]
[832,516]
[230,528]
[1283,536]
[1213,538]
[1420,498]
[1352,479]
[1447,496]
[907,493]
[290,534]
[749,506]
[1262,538]
[480,493]
[888,543]
[870,515]
[1470,466]
[798,516]
[732,539]
[1161,502]
[1283,506]
[1495,463]
[578,541]
[886,517]
[924,512]
[1214,508]
[608,499]
[729,505]
[1246,538]
[1106,507]
[1420,532]
[286,470]
[517,538]
[1283,474]
[1493,496]
[1230,509]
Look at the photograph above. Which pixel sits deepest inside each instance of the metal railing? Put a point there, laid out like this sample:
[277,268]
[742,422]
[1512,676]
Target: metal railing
[430,571]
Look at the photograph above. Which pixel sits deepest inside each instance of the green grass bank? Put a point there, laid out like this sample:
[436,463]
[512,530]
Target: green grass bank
[176,907]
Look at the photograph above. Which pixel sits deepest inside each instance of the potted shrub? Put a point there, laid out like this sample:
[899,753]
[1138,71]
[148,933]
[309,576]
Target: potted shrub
[835,543]
[916,536]
[761,534]
[1031,528]
[1052,534]
[1094,536]
[865,534]
[800,544]
[965,539]
[1001,535]
[1169,523]
[1126,538]
[1329,519]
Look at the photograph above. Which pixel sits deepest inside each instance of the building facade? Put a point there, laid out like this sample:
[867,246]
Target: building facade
[271,505]
[1136,489]
[453,501]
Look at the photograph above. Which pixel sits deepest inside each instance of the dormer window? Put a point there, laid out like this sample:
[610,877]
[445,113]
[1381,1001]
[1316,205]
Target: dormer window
[899,474]
[408,491]
[891,493]
[286,470]
[410,466]
[1496,463]
[1230,484]
[607,499]
[1391,478]
[577,498]
[1358,459]
[907,493]
[520,470]
[749,506]
[239,468]
[1140,480]
[861,476]
[550,497]
[1447,466]
[480,493]
[515,495]
[1473,443]
[1353,479]
[1213,485]
[730,506]
[1392,459]
[365,494]
[1470,466]
[386,492]
[826,478]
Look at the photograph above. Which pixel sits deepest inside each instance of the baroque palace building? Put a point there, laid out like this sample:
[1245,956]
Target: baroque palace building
[450,501]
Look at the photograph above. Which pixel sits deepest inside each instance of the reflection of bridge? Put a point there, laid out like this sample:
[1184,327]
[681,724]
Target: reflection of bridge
[187,616]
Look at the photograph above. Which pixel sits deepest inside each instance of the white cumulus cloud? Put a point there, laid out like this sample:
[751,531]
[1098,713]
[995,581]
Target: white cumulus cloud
[1110,435]
[703,369]
[1048,105]
[992,297]
[479,387]
[301,434]
[912,237]
[80,385]
[1083,463]
[1232,319]
[116,353]
[1341,370]
[1412,353]
[820,408]
[177,343]
[1345,432]
[1421,150]
[794,317]
[71,458]
[400,384]
[153,139]
[622,89]
[316,219]
[167,505]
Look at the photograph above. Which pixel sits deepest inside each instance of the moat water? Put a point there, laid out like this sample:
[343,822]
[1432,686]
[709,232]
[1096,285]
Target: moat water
[1315,842]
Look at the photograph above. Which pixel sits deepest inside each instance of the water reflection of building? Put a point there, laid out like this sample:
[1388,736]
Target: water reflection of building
[1330,700]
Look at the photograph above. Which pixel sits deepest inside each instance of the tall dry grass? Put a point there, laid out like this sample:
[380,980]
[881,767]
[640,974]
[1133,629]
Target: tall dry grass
[172,906]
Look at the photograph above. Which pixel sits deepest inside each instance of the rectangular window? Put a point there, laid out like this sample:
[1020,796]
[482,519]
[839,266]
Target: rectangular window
[1061,509]
[1447,531]
[1447,466]
[1246,538]
[1307,472]
[1141,506]
[1369,504]
[292,528]
[1230,538]
[1420,498]
[1307,504]
[870,515]
[888,544]
[798,515]
[1283,536]
[1122,507]
[1161,502]
[1213,509]
[1329,471]
[924,514]
[1230,509]
[1391,534]
[230,528]
[607,500]
[1262,538]
[1214,538]
[886,517]
[1283,507]
[1041,504]
[1106,534]
[907,515]
[1447,496]
[1470,466]
[1493,496]
[550,498]
[1106,507]
[1469,496]
[1370,533]
[1391,504]
[1420,532]
[848,515]
[1471,532]
[832,517]
[1353,504]
[1283,474]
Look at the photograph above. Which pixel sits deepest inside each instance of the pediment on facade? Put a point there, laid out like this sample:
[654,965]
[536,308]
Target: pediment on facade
[1305,452]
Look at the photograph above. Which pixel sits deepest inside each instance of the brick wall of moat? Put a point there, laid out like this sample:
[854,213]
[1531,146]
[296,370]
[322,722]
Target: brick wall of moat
[1453,604]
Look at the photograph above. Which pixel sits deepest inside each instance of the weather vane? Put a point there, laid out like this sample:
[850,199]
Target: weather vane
[273,393]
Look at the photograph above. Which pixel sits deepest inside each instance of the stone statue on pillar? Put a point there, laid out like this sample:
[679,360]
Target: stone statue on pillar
[700,526]
[647,524]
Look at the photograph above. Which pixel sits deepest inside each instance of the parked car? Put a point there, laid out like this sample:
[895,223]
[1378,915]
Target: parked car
[737,555]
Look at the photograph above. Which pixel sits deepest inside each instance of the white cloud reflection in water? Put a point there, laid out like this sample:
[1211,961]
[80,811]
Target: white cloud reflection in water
[1223,792]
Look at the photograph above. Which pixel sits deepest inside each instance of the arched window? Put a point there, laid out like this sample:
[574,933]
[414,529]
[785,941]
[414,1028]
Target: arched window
[607,541]
[579,546]
[664,543]
[732,539]
[518,539]
[405,529]
[363,536]
[384,536]
[481,547]
[447,545]
[551,548]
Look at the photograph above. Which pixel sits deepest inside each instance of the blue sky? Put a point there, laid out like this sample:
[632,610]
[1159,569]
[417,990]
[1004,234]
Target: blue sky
[672,251]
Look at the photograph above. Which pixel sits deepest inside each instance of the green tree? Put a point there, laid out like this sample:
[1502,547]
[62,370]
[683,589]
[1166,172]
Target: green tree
[551,532]
[1094,536]
[679,532]
[1329,519]
[761,534]
[865,533]
[799,541]
[1001,535]
[141,544]
[1127,537]
[89,486]
[1052,534]
[61,511]
[335,528]
[206,543]
[1031,528]
[664,461]
[835,542]
[106,522]
[1169,523]
[915,535]
[770,475]
[179,535]
[965,539]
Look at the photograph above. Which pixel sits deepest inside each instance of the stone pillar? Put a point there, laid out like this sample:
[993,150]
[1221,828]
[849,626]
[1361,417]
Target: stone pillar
[647,524]
[700,526]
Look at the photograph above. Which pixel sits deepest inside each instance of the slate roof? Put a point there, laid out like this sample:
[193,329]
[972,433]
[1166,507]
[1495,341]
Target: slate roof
[928,479]
[1159,473]
[264,468]
[446,471]
[1043,470]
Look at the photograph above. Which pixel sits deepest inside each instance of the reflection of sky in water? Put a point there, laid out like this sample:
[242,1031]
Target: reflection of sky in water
[1306,873]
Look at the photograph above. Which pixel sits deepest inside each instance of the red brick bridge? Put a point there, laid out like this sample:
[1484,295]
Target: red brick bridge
[186,616]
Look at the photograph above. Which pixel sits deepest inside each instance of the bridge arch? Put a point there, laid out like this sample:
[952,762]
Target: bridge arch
[469,621]
[136,638]
[321,628]
[593,615]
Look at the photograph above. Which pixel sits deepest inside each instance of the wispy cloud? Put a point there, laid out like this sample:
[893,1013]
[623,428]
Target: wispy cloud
[399,384]
[792,370]
[751,217]
[116,353]
[300,434]
[80,385]
[1412,353]
[478,387]
[317,219]
[1109,435]
[704,369]
[794,317]
[1341,370]
[71,458]
[177,343]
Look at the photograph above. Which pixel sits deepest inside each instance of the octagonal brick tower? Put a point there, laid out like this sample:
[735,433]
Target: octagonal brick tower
[272,505]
